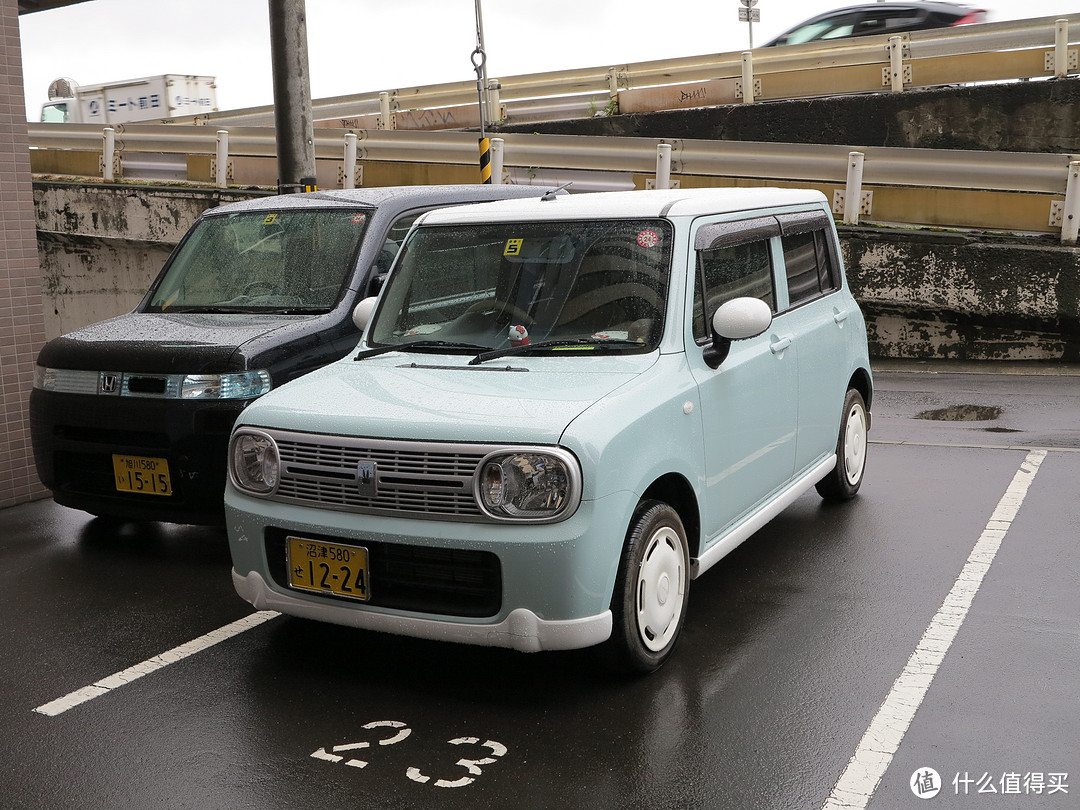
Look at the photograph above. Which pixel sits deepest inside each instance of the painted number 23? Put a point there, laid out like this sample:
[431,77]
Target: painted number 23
[347,754]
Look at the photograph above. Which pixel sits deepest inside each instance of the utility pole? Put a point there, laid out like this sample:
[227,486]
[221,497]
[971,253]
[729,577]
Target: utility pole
[293,124]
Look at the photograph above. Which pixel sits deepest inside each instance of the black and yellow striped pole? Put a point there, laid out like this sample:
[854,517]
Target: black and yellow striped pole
[485,160]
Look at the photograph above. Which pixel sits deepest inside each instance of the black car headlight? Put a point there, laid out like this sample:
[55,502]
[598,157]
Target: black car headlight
[529,484]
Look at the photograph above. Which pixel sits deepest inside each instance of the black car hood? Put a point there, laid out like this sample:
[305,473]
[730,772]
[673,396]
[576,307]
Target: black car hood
[168,343]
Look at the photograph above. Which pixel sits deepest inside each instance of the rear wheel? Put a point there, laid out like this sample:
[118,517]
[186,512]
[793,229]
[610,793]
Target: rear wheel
[652,589]
[846,477]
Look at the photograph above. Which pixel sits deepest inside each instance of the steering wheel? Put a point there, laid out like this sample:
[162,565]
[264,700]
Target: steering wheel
[488,304]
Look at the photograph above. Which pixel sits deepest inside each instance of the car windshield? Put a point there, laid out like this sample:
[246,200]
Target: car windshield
[294,261]
[555,286]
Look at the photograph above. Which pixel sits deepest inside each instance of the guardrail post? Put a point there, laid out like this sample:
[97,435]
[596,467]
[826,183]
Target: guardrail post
[108,152]
[1070,218]
[747,77]
[853,190]
[386,118]
[663,165]
[1061,49]
[896,63]
[221,175]
[497,160]
[348,174]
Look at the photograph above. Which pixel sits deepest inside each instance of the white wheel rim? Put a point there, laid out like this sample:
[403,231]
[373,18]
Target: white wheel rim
[661,589]
[855,444]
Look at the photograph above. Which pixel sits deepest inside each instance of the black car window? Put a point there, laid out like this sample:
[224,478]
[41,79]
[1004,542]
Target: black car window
[733,271]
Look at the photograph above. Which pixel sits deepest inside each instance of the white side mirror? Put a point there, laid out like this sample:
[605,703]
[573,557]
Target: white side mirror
[361,314]
[737,319]
[742,318]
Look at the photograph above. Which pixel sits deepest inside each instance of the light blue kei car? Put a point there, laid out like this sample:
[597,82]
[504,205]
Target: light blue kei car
[563,410]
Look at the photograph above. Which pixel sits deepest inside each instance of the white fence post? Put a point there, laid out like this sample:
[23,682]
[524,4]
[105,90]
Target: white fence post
[896,63]
[348,174]
[1070,217]
[663,165]
[747,77]
[386,120]
[853,190]
[108,151]
[1061,48]
[221,176]
[497,160]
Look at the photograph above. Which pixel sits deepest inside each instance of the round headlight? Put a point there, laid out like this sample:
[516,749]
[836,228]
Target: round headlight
[253,462]
[528,485]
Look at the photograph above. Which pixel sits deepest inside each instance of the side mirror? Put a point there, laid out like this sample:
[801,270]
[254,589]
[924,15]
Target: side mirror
[737,319]
[361,313]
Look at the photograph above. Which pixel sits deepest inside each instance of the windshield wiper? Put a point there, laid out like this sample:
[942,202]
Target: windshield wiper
[586,343]
[418,344]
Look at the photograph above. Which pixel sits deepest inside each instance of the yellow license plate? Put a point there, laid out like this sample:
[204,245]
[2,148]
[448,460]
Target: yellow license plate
[315,565]
[142,474]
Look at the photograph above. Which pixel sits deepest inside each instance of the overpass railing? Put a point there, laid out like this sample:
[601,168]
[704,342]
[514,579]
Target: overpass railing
[1009,191]
[1023,49]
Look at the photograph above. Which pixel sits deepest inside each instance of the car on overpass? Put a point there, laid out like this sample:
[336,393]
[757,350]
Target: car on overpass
[880,18]
[130,417]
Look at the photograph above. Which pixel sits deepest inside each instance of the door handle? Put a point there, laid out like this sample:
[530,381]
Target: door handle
[778,346]
[840,317]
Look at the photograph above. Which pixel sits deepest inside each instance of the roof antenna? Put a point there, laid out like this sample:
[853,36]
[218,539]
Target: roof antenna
[550,194]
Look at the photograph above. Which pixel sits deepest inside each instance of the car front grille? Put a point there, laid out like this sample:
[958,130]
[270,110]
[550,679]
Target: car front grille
[421,479]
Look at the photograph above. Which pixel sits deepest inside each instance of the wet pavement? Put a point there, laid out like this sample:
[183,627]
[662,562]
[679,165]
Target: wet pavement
[792,646]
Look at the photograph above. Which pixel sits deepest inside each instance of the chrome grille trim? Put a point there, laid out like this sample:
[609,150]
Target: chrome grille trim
[422,479]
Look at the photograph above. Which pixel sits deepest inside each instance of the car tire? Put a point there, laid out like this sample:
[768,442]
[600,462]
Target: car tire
[846,477]
[649,604]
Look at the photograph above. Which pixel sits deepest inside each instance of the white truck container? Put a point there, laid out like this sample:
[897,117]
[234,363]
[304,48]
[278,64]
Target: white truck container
[146,99]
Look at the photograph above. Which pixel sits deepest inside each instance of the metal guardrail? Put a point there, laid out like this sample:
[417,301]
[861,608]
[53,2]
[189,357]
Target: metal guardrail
[1023,49]
[1004,191]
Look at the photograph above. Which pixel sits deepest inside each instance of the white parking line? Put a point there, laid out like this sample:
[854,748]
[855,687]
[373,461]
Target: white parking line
[106,685]
[882,739]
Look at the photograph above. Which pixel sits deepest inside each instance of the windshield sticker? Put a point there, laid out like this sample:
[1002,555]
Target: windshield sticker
[358,219]
[270,219]
[513,247]
[648,239]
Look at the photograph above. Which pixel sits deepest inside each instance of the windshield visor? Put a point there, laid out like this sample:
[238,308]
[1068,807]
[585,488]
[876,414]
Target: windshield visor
[491,286]
[279,261]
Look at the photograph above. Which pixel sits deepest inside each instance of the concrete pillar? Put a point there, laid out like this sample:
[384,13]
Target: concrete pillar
[22,326]
[293,121]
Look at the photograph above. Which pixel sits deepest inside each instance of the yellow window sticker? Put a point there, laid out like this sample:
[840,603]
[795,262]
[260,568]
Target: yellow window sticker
[270,218]
[513,247]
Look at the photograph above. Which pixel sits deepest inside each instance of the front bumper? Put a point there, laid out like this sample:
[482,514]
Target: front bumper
[550,585]
[521,630]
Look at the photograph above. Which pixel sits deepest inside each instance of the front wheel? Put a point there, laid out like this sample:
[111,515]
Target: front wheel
[846,477]
[652,589]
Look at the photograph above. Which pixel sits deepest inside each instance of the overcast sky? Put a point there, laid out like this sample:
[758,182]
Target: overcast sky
[358,46]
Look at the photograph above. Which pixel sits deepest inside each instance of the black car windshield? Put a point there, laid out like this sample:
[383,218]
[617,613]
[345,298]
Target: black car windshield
[590,283]
[292,261]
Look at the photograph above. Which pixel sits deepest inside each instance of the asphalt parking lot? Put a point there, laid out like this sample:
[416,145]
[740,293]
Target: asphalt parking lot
[919,646]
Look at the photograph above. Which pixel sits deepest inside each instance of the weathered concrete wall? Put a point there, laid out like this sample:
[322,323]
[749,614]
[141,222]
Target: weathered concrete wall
[1034,116]
[100,246]
[965,296]
[926,294]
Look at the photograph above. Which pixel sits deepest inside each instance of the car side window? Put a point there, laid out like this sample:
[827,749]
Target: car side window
[809,267]
[731,271]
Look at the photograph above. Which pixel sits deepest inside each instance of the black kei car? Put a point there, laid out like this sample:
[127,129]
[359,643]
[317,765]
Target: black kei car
[130,417]
[880,18]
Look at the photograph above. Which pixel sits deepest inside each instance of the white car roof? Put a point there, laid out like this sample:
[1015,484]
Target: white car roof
[627,204]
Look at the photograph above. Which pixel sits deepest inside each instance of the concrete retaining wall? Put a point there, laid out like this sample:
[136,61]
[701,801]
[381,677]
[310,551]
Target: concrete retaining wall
[926,294]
